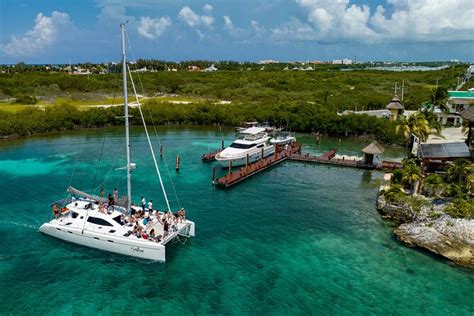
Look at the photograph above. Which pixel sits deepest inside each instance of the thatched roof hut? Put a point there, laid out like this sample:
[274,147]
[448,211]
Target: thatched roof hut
[373,148]
[468,114]
[395,104]
[370,150]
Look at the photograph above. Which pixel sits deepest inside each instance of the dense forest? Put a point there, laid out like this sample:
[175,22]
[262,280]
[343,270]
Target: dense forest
[305,101]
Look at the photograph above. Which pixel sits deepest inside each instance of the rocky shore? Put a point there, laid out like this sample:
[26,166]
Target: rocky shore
[430,228]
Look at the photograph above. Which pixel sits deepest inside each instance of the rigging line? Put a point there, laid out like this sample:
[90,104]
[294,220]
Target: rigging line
[153,122]
[98,163]
[157,137]
[164,160]
[79,154]
[149,141]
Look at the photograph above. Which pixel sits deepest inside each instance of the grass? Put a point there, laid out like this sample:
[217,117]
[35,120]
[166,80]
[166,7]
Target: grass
[14,107]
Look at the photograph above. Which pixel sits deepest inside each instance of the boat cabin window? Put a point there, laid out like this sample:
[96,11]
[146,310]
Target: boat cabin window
[242,146]
[74,214]
[98,221]
[118,219]
[260,146]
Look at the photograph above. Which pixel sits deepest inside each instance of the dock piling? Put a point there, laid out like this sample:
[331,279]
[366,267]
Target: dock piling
[161,150]
[230,166]
[178,162]
[222,144]
[213,174]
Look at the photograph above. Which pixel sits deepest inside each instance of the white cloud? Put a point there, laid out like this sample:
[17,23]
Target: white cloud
[256,26]
[153,28]
[200,34]
[41,36]
[228,25]
[421,20]
[193,20]
[207,8]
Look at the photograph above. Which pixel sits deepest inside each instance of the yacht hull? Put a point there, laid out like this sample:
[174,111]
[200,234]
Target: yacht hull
[241,161]
[143,249]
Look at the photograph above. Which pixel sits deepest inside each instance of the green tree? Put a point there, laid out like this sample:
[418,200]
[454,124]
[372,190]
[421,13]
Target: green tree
[411,174]
[435,184]
[459,171]
[416,124]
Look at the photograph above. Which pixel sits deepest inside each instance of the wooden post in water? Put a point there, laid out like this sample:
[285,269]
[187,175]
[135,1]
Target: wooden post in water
[178,162]
[161,150]
[275,147]
[261,154]
[222,144]
[213,175]
[247,159]
[230,166]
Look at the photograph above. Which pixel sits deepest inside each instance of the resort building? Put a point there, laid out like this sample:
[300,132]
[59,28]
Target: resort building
[457,102]
[468,114]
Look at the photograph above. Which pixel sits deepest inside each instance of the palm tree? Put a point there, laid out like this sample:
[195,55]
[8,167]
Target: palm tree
[411,174]
[416,124]
[435,184]
[394,193]
[459,171]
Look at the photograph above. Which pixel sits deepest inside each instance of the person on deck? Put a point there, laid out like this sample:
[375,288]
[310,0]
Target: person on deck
[102,193]
[111,201]
[143,204]
[115,196]
[56,211]
[150,206]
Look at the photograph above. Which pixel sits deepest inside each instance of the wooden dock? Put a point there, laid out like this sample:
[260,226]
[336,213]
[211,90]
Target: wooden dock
[251,169]
[210,156]
[294,153]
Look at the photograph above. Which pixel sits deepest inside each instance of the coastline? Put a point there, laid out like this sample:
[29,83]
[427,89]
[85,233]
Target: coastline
[432,229]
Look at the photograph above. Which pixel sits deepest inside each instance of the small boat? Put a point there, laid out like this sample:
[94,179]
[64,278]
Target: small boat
[252,145]
[282,139]
[83,218]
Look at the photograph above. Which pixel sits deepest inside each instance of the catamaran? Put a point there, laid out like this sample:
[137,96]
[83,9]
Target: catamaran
[84,219]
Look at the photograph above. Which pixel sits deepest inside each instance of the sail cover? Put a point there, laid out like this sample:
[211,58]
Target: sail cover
[86,195]
[122,201]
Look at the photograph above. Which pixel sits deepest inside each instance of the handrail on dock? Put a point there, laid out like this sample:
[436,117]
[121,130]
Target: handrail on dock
[293,152]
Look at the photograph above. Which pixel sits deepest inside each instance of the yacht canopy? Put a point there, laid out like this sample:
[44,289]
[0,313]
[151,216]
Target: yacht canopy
[253,130]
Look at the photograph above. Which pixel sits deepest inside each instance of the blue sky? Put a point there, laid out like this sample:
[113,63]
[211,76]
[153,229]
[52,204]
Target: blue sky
[52,31]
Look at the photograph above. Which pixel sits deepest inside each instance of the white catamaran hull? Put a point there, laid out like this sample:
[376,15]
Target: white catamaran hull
[241,161]
[143,249]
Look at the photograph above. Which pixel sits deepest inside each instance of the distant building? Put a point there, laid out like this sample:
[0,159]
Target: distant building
[268,61]
[194,68]
[210,69]
[342,61]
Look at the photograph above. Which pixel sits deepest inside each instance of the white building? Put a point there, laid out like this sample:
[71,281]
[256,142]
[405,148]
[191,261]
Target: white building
[342,61]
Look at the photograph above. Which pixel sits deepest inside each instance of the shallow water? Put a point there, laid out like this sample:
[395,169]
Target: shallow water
[296,239]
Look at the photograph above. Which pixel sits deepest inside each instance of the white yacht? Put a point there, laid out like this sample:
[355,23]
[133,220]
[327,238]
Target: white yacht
[251,146]
[86,221]
[283,139]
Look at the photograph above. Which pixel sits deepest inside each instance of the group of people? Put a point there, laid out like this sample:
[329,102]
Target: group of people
[57,211]
[144,221]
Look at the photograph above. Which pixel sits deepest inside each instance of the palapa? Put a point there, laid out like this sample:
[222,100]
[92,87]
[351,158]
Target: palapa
[395,104]
[373,148]
[468,114]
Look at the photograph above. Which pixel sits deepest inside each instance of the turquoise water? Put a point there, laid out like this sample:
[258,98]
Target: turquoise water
[296,239]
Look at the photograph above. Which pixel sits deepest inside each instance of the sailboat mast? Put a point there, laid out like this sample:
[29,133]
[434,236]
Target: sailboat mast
[125,103]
